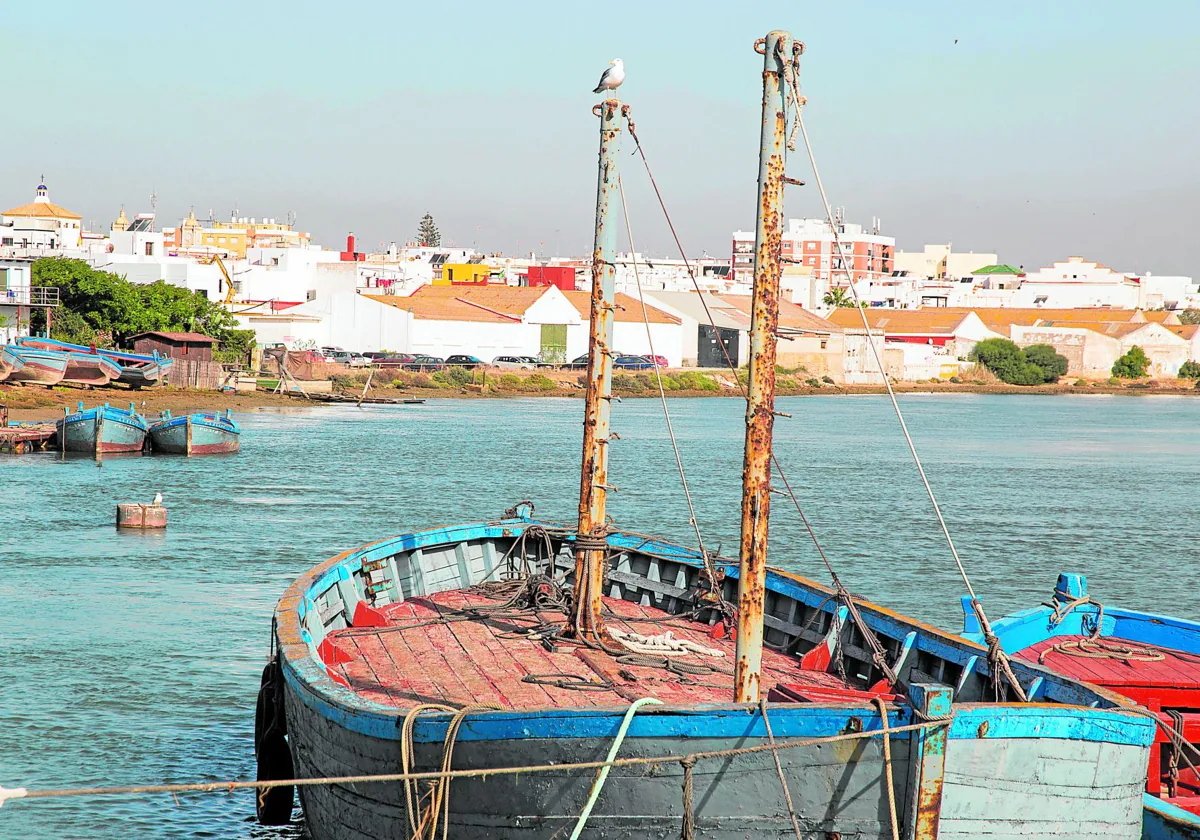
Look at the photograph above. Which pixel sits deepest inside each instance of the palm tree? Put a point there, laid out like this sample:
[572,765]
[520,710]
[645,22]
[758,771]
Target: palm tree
[838,297]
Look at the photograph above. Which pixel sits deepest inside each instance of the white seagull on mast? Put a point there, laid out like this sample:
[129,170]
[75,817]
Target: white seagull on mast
[613,76]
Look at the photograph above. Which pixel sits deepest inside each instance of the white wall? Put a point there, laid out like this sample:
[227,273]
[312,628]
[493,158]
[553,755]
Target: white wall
[356,322]
[478,338]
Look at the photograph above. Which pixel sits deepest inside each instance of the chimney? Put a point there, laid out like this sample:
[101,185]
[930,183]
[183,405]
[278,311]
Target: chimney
[350,243]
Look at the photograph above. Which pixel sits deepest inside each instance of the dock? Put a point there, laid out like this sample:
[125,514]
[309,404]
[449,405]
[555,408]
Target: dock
[31,437]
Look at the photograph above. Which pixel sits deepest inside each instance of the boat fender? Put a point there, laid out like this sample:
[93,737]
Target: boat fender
[273,806]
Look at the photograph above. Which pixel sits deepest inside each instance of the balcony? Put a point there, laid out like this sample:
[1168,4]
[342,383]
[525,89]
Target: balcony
[34,296]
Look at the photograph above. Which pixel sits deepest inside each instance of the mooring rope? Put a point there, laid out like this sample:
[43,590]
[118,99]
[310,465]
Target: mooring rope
[787,793]
[887,765]
[637,761]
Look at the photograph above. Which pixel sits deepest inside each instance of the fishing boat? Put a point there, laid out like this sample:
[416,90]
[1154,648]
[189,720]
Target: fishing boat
[135,369]
[102,430]
[195,434]
[31,364]
[85,366]
[516,678]
[9,362]
[1149,658]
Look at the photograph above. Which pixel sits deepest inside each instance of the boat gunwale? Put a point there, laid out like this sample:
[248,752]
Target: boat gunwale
[299,662]
[207,420]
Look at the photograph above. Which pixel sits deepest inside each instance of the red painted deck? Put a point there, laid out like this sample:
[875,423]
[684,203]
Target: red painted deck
[486,660]
[1169,686]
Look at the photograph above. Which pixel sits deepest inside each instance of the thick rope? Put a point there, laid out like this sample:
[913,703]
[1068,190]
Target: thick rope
[887,765]
[687,830]
[787,793]
[230,786]
[602,776]
[412,802]
[664,644]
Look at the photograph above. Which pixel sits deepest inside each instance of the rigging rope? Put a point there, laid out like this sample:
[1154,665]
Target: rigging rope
[787,793]
[999,659]
[878,653]
[713,582]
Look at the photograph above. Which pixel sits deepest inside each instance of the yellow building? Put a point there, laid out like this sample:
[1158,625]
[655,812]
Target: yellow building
[227,238]
[239,234]
[457,274]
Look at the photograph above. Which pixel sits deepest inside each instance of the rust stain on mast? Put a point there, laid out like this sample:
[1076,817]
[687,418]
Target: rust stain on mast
[760,400]
[586,622]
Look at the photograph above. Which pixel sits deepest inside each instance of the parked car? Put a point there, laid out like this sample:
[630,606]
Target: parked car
[632,363]
[345,357]
[513,363]
[578,363]
[661,361]
[422,362]
[463,360]
[535,361]
[376,355]
[394,360]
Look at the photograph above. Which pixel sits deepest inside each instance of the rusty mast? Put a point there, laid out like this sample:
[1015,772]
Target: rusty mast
[760,398]
[586,621]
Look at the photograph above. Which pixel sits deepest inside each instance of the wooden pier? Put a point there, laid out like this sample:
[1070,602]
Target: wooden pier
[34,437]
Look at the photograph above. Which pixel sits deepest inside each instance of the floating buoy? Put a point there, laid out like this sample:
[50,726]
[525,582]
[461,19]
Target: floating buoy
[141,516]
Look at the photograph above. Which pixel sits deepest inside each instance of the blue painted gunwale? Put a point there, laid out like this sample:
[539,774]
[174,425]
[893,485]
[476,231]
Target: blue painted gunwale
[1164,821]
[12,359]
[303,670]
[49,358]
[115,415]
[218,423]
[54,343]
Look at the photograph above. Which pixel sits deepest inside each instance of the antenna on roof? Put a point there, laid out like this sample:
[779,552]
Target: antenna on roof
[153,207]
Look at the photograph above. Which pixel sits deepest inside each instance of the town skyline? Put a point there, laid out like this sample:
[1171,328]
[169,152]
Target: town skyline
[1046,133]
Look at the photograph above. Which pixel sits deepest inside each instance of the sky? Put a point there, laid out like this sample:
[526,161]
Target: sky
[1035,130]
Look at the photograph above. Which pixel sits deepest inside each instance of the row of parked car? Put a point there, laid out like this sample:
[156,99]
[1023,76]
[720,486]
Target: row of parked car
[424,363]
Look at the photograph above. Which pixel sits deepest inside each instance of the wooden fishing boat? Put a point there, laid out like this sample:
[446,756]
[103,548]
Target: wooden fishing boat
[135,369]
[589,682]
[102,430]
[9,362]
[1151,659]
[195,434]
[43,367]
[85,365]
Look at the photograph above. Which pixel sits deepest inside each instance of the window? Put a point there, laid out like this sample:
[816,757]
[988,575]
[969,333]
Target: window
[220,240]
[149,249]
[3,279]
[824,343]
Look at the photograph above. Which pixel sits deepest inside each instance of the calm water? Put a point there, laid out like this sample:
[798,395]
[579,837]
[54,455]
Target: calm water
[135,658]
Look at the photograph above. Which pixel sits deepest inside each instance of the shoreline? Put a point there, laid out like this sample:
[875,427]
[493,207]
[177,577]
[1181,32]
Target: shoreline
[32,403]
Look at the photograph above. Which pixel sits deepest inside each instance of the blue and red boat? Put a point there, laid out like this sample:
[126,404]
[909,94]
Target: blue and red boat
[1152,659]
[35,365]
[85,365]
[9,362]
[135,369]
[102,430]
[196,434]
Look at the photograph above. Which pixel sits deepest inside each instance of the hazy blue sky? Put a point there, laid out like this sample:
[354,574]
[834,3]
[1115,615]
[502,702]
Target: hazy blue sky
[1051,128]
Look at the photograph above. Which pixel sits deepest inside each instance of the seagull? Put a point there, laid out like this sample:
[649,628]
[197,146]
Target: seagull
[157,498]
[612,77]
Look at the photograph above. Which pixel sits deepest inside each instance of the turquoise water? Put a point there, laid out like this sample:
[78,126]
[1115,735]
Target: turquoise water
[135,658]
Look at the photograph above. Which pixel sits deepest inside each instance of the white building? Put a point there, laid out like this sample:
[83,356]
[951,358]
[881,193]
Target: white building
[865,255]
[1076,283]
[15,296]
[941,262]
[41,225]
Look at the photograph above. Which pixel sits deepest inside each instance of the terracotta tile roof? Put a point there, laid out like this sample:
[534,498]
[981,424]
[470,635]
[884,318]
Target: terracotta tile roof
[488,304]
[1114,329]
[629,309]
[1188,331]
[1162,316]
[791,316]
[195,338]
[936,320]
[42,208]
[1001,319]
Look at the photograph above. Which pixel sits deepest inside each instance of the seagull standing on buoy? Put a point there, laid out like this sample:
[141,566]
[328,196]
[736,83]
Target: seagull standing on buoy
[157,498]
[613,76]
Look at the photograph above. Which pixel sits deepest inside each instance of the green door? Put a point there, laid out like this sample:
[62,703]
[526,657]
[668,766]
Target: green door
[554,343]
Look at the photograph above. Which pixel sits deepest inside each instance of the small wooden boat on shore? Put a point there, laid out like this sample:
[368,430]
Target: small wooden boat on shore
[195,434]
[9,362]
[42,367]
[135,369]
[102,430]
[85,365]
[1151,659]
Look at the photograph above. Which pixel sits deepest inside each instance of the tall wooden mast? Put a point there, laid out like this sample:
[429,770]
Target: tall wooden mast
[760,403]
[591,554]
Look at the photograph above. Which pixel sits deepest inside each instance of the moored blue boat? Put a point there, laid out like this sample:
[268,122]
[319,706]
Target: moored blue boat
[102,430]
[195,434]
[32,364]
[1152,659]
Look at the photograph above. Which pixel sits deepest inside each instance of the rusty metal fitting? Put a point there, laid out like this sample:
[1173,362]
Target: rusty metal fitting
[597,108]
[760,46]
[793,181]
[797,48]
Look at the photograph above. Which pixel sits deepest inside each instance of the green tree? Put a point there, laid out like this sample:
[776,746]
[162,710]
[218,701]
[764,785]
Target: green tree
[1035,365]
[1191,315]
[839,298]
[1132,365]
[428,235]
[98,307]
[1189,370]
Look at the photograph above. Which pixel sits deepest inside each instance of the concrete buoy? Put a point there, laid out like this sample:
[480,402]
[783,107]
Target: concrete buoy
[133,515]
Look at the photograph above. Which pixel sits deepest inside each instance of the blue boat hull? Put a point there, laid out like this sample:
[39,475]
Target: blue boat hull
[1005,770]
[44,367]
[102,431]
[195,434]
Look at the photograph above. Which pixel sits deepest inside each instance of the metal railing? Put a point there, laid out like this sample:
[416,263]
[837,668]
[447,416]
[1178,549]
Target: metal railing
[32,296]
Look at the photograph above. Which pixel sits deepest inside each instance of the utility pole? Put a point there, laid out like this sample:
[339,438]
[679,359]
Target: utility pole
[760,400]
[591,547]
